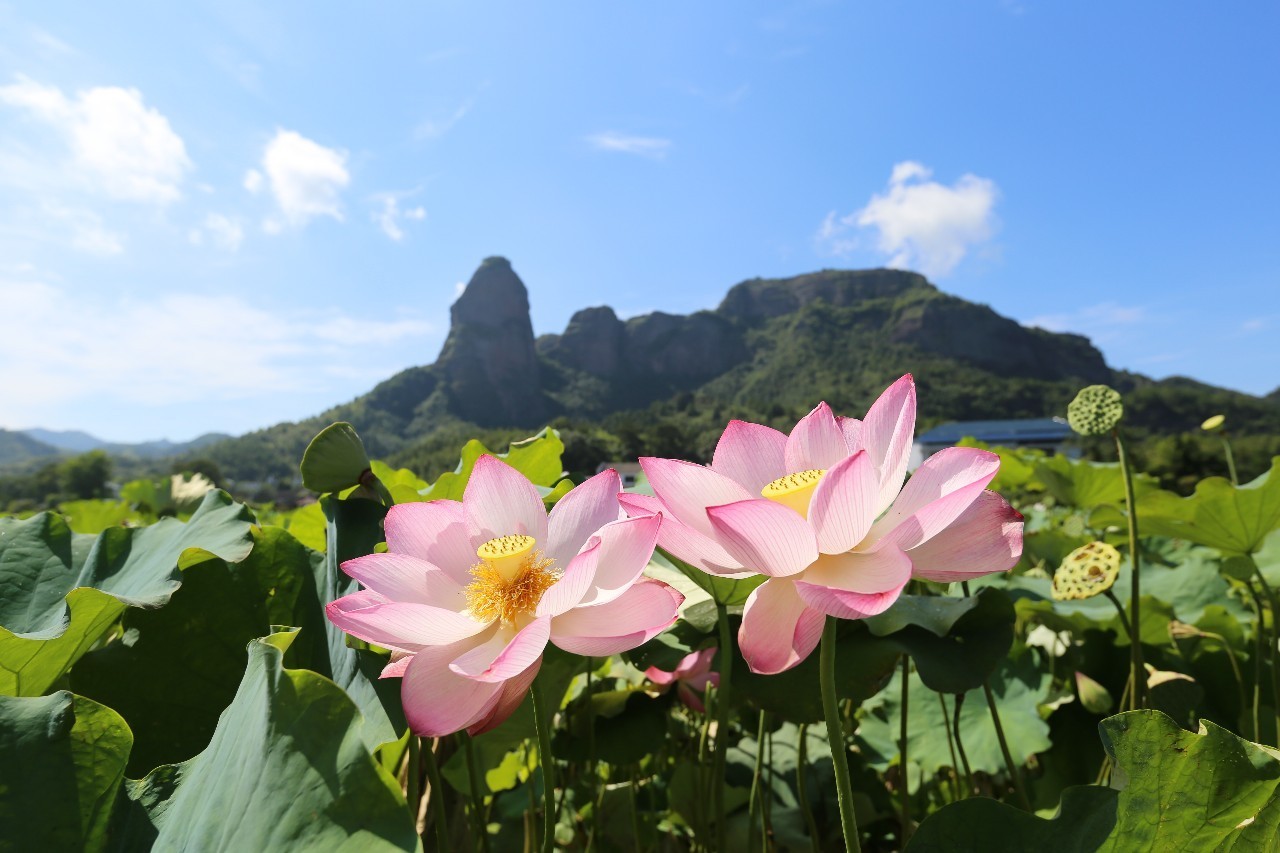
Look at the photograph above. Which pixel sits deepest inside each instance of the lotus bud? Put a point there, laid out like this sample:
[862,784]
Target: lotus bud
[1213,423]
[1095,698]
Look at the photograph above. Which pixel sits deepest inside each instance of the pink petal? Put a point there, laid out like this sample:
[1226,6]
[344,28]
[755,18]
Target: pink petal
[884,569]
[438,702]
[500,501]
[778,629]
[937,493]
[750,454]
[985,538]
[435,531]
[843,505]
[681,540]
[856,585]
[400,625]
[400,577]
[399,663]
[698,663]
[765,537]
[686,490]
[887,434]
[612,561]
[509,698]
[659,676]
[816,442]
[691,700]
[579,514]
[645,610]
[505,655]
[852,430]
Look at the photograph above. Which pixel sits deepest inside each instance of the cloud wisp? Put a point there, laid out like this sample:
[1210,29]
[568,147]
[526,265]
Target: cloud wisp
[652,147]
[389,215]
[306,180]
[115,145]
[918,223]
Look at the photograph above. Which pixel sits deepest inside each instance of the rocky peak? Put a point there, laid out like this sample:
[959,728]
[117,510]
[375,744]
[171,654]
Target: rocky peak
[594,341]
[488,365]
[760,299]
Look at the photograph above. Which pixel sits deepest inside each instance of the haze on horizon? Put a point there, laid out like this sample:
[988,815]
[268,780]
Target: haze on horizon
[218,217]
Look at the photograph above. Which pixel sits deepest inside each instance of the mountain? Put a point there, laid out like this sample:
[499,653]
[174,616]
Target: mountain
[21,445]
[666,383]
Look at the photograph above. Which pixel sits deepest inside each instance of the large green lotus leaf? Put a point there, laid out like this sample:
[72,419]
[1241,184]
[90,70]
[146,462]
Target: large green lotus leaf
[65,589]
[334,460]
[354,529]
[1084,484]
[537,457]
[95,516]
[1019,687]
[287,769]
[1233,519]
[403,484]
[178,667]
[1086,818]
[62,760]
[1178,790]
[956,642]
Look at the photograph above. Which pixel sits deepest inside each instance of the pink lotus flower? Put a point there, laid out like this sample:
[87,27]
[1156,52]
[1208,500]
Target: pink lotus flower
[691,677]
[824,514]
[468,594]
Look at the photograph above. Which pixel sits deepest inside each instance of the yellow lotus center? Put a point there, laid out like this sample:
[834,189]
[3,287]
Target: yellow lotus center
[509,580]
[795,490]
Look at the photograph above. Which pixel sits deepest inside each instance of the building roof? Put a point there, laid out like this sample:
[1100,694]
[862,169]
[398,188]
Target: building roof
[1021,431]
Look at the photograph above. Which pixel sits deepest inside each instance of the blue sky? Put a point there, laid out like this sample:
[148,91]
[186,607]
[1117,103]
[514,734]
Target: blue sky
[215,216]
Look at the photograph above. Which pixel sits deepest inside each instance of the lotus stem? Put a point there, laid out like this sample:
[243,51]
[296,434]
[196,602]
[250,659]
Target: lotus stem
[835,734]
[1231,658]
[802,791]
[1271,646]
[1124,617]
[722,721]
[478,828]
[1231,460]
[635,812]
[542,721]
[412,779]
[1014,775]
[951,748]
[437,793]
[902,749]
[756,800]
[964,759]
[1137,700]
[593,775]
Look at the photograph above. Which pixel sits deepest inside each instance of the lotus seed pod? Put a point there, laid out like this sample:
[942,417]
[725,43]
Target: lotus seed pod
[1087,571]
[1213,423]
[1095,410]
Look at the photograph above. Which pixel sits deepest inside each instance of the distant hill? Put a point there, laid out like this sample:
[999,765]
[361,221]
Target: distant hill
[18,446]
[667,383]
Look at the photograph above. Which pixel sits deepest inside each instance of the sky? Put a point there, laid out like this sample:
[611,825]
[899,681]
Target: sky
[219,216]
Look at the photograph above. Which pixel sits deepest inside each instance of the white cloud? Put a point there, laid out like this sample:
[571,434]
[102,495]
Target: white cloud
[389,215]
[118,145]
[436,128]
[459,288]
[157,353]
[84,228]
[225,232]
[305,177]
[253,181]
[1100,322]
[919,223]
[652,147]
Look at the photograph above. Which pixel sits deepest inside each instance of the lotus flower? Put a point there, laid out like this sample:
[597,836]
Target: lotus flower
[469,594]
[823,513]
[691,677]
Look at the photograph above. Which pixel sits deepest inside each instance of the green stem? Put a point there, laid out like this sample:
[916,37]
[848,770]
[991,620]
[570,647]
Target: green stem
[755,800]
[964,759]
[413,777]
[1271,646]
[1138,700]
[478,828]
[1235,665]
[437,796]
[1124,617]
[722,721]
[542,721]
[835,734]
[802,793]
[1263,641]
[951,748]
[903,765]
[1014,775]
[1231,461]
[635,812]
[593,776]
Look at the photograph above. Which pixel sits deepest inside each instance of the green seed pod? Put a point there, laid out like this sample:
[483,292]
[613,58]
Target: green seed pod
[1087,571]
[1095,410]
[1213,423]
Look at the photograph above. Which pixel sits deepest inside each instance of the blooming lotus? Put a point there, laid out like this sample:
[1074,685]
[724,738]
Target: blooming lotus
[468,594]
[824,515]
[691,677]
